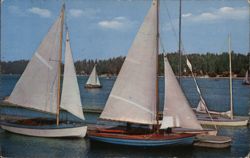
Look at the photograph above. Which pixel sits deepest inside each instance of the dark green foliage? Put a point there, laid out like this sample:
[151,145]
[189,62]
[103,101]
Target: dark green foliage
[203,64]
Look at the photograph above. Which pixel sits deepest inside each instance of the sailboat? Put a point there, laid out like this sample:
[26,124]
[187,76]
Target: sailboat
[219,118]
[246,80]
[39,89]
[134,103]
[93,81]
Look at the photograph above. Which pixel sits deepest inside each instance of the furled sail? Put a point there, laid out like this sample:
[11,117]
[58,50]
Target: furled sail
[37,88]
[70,99]
[176,104]
[93,78]
[133,97]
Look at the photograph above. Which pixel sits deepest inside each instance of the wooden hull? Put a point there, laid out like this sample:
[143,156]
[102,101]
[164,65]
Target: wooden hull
[245,83]
[213,141]
[79,131]
[228,122]
[219,120]
[92,86]
[212,145]
[143,140]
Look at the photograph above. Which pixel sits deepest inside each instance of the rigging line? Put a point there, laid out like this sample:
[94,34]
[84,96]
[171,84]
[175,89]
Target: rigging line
[183,49]
[171,22]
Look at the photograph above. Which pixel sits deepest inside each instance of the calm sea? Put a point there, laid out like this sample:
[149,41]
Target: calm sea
[215,92]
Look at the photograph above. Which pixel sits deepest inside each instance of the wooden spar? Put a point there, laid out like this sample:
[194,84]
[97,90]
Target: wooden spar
[230,77]
[179,50]
[59,68]
[157,68]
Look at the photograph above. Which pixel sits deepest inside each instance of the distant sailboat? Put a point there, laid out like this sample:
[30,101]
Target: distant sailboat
[39,89]
[134,97]
[93,81]
[218,118]
[246,80]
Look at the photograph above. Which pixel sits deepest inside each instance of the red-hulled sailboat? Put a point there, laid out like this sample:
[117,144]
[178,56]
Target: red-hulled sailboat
[134,97]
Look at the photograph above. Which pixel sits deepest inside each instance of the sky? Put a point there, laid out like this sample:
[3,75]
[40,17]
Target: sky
[101,29]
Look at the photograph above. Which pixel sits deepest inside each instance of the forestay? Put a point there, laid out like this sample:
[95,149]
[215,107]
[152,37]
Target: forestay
[37,87]
[133,97]
[70,99]
[176,104]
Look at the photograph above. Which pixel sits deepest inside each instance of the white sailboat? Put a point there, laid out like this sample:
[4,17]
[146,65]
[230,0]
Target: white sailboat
[93,81]
[219,118]
[246,80]
[134,97]
[39,89]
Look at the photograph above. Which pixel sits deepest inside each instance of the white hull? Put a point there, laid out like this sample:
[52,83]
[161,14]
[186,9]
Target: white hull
[224,123]
[53,132]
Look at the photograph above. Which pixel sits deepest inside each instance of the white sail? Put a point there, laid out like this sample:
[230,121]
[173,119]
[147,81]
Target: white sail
[201,106]
[37,88]
[246,79]
[70,99]
[133,97]
[93,78]
[175,102]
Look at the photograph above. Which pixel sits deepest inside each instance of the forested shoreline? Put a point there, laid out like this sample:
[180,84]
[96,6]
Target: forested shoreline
[209,64]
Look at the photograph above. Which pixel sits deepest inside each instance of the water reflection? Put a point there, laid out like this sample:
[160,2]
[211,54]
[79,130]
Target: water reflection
[14,145]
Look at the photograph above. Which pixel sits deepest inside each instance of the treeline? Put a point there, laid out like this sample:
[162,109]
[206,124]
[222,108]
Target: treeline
[203,64]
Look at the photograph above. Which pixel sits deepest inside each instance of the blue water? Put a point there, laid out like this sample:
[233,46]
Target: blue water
[215,92]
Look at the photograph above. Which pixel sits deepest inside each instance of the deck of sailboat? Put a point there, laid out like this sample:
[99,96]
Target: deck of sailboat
[221,120]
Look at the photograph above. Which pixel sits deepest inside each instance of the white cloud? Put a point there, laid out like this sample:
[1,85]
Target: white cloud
[2,1]
[45,13]
[186,15]
[224,13]
[16,10]
[117,23]
[89,13]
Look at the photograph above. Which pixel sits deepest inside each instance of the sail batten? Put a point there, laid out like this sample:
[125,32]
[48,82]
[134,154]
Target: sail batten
[175,102]
[37,87]
[70,99]
[135,86]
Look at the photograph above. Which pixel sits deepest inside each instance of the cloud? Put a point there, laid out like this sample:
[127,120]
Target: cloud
[16,10]
[116,23]
[223,13]
[45,13]
[1,1]
[187,15]
[89,13]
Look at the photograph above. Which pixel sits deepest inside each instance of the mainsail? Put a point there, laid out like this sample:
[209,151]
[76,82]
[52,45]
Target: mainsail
[37,88]
[176,104]
[133,97]
[93,78]
[70,99]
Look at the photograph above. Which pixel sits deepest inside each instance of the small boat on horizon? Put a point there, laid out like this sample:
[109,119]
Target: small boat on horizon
[38,89]
[246,80]
[93,80]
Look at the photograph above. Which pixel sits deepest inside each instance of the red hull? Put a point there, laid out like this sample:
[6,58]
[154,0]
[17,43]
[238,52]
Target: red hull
[123,134]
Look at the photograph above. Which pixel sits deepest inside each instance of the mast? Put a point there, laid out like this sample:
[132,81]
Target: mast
[230,77]
[179,50]
[59,67]
[1,3]
[157,67]
[249,35]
